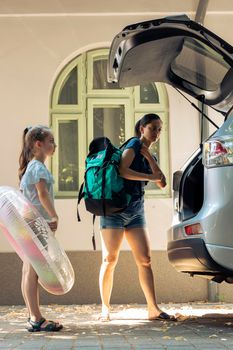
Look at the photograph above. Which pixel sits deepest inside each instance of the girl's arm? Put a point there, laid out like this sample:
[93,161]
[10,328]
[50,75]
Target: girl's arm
[46,202]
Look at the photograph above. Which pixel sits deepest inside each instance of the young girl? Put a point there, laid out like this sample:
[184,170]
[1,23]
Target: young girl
[137,166]
[36,183]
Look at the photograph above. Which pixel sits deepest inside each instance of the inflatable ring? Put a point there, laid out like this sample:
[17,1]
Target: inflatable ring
[32,239]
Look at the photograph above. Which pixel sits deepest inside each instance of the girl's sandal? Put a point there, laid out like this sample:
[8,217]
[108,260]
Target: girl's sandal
[51,326]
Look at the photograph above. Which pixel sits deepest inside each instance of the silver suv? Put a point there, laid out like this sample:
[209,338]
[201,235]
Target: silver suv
[186,55]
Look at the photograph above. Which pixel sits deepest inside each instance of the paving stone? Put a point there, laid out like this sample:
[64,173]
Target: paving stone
[202,326]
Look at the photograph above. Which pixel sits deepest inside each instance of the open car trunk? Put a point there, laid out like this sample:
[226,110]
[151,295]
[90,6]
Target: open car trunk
[176,51]
[180,52]
[189,188]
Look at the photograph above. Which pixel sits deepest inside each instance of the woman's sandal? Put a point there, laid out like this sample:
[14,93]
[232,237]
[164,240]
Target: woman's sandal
[163,316]
[104,318]
[51,326]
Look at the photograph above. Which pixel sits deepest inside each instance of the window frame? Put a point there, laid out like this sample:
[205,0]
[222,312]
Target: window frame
[88,98]
[101,54]
[69,108]
[56,118]
[151,107]
[101,103]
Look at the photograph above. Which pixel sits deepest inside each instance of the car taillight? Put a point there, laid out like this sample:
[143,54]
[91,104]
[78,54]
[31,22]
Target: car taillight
[218,152]
[194,229]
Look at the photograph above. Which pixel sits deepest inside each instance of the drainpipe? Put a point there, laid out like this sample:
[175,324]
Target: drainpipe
[200,17]
[201,11]
[212,287]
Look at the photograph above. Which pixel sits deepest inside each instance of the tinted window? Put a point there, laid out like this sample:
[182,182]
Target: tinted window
[68,160]
[200,65]
[69,91]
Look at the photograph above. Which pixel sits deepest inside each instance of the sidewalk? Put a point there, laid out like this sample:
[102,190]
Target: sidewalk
[202,326]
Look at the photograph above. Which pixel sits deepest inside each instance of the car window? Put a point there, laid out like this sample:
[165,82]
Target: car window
[200,65]
[226,129]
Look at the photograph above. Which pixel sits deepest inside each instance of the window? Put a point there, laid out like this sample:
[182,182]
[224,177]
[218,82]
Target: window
[200,65]
[85,105]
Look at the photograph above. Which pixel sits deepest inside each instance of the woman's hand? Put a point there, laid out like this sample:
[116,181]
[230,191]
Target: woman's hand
[159,178]
[163,181]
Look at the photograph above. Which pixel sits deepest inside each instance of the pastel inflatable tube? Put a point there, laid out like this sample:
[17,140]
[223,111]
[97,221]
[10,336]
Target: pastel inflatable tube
[31,237]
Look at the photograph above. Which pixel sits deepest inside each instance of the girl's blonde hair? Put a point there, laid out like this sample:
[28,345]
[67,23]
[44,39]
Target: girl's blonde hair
[30,136]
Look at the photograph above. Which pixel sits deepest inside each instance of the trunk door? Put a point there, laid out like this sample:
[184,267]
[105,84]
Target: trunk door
[177,51]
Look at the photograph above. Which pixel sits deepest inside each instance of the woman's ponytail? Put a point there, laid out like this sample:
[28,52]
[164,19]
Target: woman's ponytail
[137,129]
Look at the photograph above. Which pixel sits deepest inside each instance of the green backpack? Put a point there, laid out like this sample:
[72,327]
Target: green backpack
[103,188]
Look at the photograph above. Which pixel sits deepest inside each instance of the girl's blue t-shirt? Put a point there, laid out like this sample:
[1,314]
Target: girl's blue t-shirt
[140,164]
[36,171]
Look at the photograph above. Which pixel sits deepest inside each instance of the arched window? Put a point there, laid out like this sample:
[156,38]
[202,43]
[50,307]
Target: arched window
[85,105]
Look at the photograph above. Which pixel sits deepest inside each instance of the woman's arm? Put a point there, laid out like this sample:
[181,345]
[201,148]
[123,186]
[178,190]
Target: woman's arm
[160,178]
[125,171]
[46,202]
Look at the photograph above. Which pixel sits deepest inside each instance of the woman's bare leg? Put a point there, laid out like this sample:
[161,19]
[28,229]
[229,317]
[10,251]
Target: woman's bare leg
[139,243]
[111,241]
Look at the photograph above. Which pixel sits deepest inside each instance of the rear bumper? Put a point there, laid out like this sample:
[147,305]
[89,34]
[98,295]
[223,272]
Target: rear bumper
[191,256]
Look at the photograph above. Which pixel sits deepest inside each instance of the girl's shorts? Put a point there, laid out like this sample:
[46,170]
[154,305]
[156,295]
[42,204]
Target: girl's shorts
[132,217]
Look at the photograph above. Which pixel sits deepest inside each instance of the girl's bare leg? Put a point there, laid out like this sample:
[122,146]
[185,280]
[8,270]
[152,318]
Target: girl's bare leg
[111,241]
[139,243]
[30,291]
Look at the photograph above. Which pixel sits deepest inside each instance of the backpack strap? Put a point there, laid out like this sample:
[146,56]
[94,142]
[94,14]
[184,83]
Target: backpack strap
[125,143]
[109,152]
[93,233]
[80,196]
[86,185]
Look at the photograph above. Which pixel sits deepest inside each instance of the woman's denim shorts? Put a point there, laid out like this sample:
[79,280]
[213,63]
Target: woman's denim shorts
[132,217]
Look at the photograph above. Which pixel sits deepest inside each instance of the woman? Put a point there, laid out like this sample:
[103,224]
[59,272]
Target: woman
[138,166]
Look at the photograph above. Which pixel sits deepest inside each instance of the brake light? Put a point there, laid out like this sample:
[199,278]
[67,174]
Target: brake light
[194,229]
[218,152]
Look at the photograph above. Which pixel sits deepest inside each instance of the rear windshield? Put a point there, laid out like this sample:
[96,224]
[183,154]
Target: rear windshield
[200,65]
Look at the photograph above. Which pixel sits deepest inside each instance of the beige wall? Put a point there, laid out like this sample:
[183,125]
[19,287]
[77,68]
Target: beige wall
[33,51]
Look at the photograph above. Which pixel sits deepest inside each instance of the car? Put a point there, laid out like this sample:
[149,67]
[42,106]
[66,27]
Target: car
[180,52]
